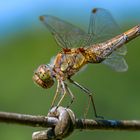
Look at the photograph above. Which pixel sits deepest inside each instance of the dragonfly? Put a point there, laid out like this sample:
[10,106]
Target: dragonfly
[102,43]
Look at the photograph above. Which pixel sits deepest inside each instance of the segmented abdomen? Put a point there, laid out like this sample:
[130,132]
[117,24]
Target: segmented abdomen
[99,52]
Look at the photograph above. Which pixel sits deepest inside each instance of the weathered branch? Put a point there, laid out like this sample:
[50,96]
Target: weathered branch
[61,122]
[43,121]
[108,124]
[30,120]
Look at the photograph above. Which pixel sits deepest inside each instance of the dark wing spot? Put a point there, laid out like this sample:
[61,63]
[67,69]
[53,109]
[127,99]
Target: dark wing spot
[41,18]
[94,10]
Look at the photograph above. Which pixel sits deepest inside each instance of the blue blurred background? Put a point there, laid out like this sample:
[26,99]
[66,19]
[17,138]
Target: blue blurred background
[25,44]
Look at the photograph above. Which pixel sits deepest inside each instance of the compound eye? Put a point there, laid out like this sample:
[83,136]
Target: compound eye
[43,77]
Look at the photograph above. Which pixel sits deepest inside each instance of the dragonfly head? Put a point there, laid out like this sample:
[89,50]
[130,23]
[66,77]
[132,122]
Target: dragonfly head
[43,76]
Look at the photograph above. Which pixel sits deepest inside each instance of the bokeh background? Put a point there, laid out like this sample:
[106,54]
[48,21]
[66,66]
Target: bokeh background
[25,44]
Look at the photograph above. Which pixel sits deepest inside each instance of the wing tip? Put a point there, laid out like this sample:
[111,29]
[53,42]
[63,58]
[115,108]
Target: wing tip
[94,10]
[122,70]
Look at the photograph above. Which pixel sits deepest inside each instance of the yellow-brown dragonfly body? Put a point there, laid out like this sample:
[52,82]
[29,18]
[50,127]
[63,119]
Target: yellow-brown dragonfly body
[70,60]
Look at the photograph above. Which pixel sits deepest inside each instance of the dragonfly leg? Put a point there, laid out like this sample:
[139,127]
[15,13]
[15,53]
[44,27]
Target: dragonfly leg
[87,108]
[63,93]
[72,96]
[56,94]
[89,94]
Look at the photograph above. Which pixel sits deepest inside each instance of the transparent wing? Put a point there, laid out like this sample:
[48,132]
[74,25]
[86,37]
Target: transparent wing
[65,34]
[116,62]
[103,27]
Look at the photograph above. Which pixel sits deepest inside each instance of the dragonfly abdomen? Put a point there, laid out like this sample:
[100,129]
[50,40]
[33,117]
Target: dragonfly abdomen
[98,52]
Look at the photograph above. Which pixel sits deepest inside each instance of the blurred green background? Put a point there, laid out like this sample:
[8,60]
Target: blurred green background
[25,44]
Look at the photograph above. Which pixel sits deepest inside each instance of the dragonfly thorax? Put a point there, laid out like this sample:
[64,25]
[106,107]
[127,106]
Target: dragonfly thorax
[43,76]
[68,63]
